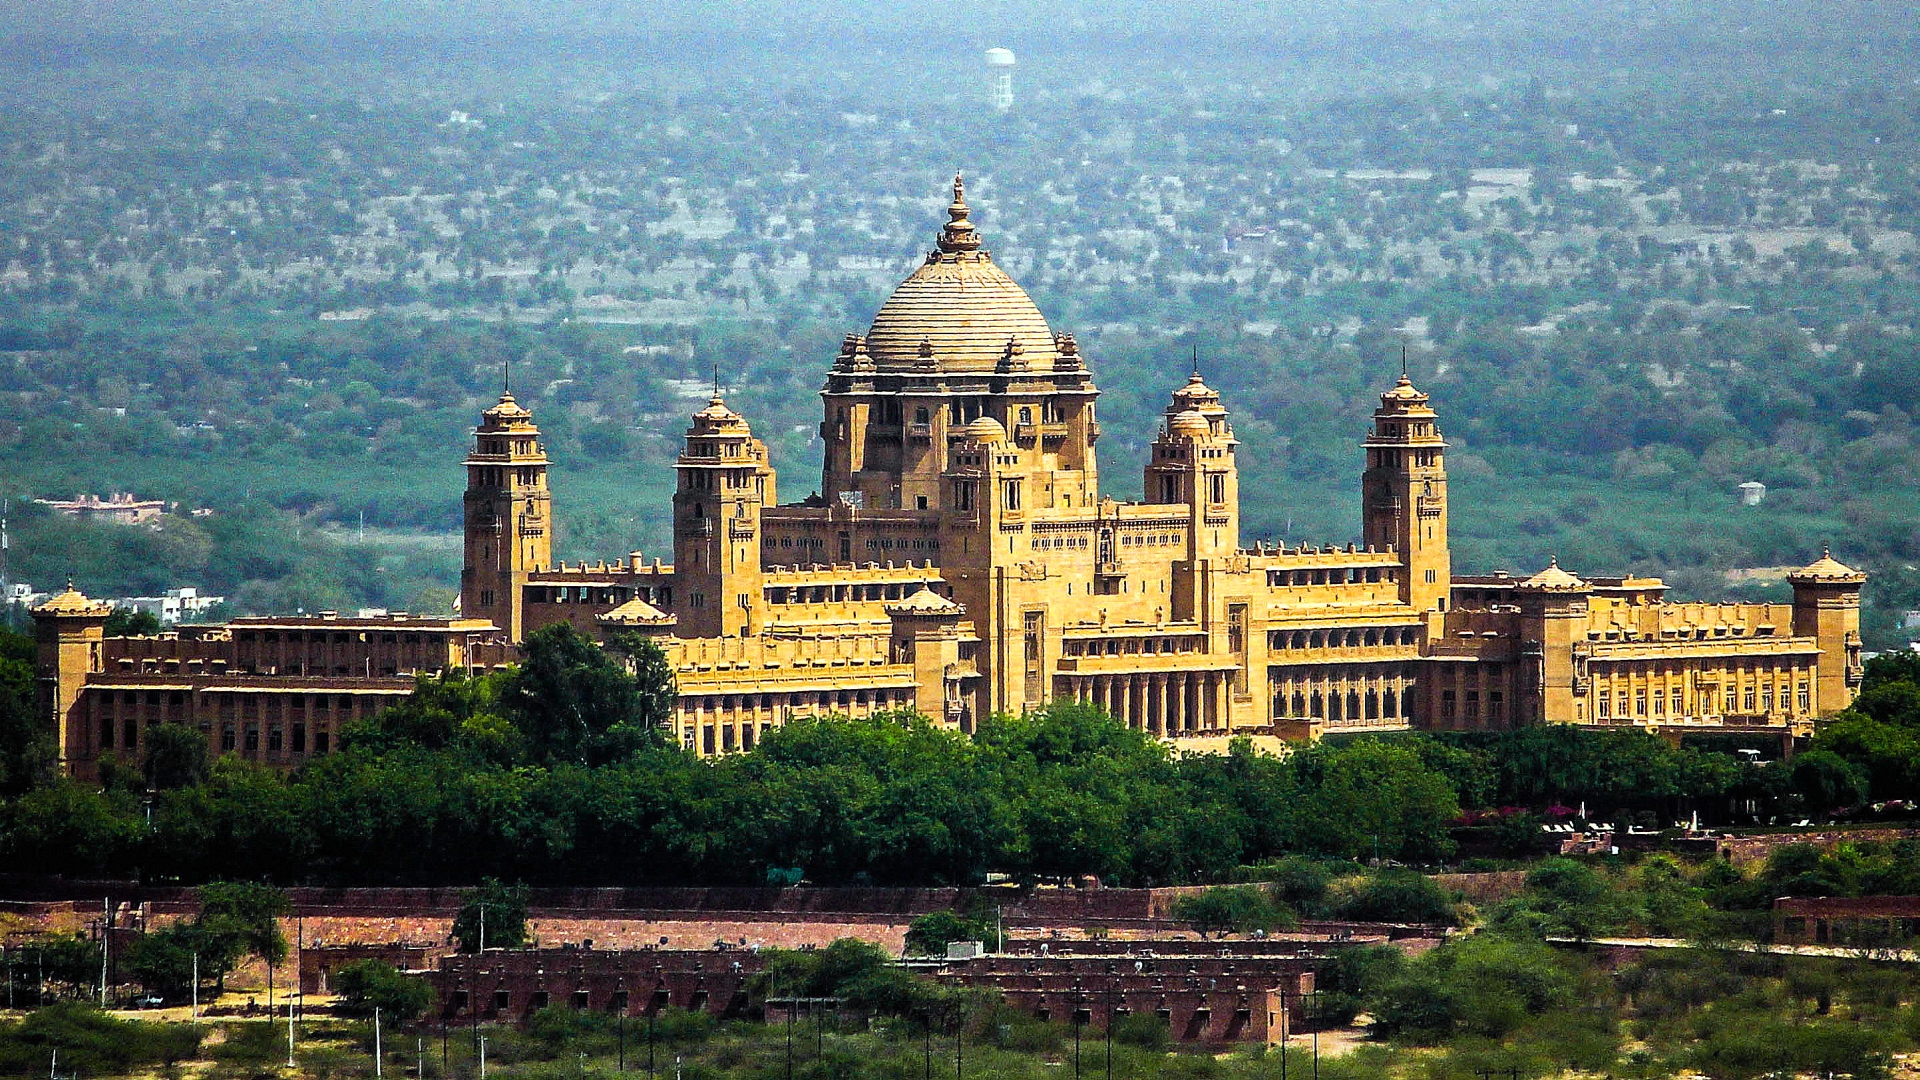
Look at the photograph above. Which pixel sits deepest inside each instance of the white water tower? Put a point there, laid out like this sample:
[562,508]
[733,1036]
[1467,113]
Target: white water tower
[1000,78]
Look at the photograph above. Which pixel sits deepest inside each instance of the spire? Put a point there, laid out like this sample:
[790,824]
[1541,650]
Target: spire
[959,234]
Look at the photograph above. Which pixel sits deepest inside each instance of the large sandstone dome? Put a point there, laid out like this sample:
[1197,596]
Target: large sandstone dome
[961,308]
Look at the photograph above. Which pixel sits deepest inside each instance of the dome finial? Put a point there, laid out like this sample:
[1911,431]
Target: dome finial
[959,234]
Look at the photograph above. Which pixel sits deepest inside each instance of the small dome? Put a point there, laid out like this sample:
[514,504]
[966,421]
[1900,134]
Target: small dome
[925,602]
[635,612]
[718,419]
[1554,579]
[74,602]
[1403,391]
[1190,423]
[717,410]
[1827,568]
[506,415]
[986,430]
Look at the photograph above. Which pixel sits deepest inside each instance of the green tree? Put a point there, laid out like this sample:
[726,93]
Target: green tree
[366,985]
[1237,909]
[165,960]
[930,934]
[655,683]
[1825,781]
[27,752]
[1393,895]
[242,918]
[1371,796]
[571,702]
[493,915]
[130,622]
[175,756]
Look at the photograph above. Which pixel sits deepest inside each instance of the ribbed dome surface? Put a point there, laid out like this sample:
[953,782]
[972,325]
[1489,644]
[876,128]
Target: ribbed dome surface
[963,306]
[968,309]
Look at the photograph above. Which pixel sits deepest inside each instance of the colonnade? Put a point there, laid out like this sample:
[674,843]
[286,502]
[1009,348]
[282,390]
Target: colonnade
[1344,694]
[722,723]
[1159,702]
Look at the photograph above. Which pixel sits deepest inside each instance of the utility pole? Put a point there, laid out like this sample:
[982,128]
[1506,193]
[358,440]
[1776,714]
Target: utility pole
[1286,1029]
[1110,977]
[106,936]
[1316,1032]
[377,1071]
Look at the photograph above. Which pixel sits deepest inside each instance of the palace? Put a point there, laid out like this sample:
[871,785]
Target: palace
[962,560]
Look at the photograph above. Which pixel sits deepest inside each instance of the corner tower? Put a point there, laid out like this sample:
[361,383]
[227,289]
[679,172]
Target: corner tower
[725,480]
[1404,494]
[68,631]
[509,515]
[1826,607]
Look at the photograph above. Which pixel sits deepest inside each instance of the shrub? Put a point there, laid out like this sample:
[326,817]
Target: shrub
[90,1042]
[1230,908]
[1145,1030]
[1402,896]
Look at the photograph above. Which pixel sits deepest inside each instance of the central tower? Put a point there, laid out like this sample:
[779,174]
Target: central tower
[957,341]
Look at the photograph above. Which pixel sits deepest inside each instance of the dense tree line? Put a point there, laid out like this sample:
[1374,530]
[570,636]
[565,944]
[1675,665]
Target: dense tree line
[553,772]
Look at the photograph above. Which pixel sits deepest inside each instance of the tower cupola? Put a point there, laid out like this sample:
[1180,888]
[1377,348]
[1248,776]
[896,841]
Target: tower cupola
[1404,493]
[509,514]
[725,480]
